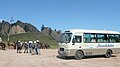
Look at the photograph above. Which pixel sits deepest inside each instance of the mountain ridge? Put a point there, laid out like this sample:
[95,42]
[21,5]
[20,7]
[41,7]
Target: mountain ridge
[15,28]
[7,30]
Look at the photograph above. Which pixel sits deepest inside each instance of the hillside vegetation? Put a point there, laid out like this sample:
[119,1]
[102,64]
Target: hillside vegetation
[32,36]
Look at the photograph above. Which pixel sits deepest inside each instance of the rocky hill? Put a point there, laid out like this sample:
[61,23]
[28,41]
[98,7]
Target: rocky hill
[16,28]
[4,27]
[53,33]
[26,26]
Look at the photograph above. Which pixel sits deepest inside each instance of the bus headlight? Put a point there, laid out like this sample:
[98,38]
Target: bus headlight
[67,51]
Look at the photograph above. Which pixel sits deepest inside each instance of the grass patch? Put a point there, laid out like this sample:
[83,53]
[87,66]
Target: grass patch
[31,36]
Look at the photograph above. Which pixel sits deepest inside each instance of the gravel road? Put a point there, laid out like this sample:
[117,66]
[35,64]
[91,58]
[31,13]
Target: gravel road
[48,58]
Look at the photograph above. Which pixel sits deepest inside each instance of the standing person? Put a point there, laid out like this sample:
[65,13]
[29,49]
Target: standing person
[38,47]
[25,47]
[30,46]
[18,45]
[33,47]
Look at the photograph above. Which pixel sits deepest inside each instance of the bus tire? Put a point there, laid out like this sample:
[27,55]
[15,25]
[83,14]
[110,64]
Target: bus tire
[108,54]
[79,55]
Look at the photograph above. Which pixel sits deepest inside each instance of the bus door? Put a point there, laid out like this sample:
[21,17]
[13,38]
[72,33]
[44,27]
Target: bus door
[76,42]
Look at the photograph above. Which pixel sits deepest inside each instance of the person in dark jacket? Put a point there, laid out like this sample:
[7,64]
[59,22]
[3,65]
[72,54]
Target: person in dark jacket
[25,47]
[19,47]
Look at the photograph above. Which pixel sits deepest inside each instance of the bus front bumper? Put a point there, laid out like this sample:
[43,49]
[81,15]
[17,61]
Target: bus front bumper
[64,53]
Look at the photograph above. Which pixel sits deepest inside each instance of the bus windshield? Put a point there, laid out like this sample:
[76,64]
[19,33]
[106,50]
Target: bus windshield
[65,38]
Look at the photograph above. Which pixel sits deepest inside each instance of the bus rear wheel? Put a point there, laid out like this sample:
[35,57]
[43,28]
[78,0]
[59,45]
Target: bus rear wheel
[79,55]
[108,54]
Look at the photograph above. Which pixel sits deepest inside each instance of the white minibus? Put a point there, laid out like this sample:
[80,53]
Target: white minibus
[80,43]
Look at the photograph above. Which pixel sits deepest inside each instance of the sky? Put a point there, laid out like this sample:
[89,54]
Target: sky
[64,14]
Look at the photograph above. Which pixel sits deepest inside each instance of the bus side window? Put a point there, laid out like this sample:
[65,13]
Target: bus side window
[117,38]
[93,40]
[87,37]
[114,38]
[102,38]
[77,39]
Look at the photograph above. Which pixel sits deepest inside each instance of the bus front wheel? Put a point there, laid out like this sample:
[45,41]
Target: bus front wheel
[79,55]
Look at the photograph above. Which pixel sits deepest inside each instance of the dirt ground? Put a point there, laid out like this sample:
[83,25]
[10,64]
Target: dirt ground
[48,58]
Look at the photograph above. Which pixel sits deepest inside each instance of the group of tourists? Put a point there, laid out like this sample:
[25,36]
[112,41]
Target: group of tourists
[32,47]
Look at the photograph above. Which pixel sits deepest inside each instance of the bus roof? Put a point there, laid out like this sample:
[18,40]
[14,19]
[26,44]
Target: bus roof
[91,31]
